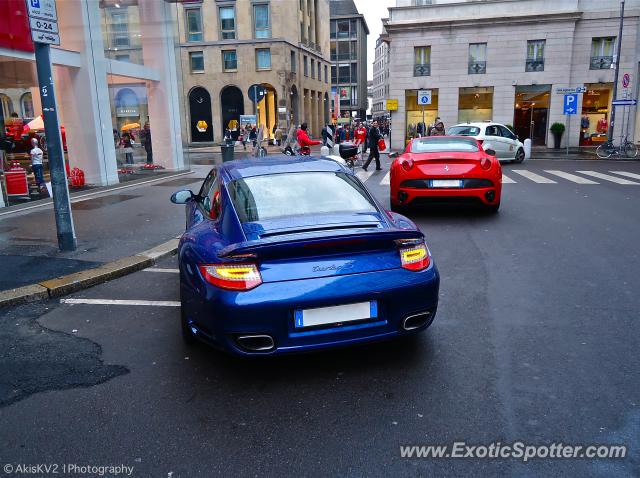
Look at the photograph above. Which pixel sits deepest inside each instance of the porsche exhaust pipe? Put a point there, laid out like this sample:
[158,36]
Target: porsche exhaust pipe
[256,343]
[416,321]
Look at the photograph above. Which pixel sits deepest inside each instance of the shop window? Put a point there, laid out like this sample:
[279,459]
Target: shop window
[419,117]
[595,114]
[535,55]
[227,23]
[194,24]
[263,59]
[261,24]
[475,104]
[603,50]
[26,105]
[196,61]
[477,58]
[422,61]
[294,62]
[229,60]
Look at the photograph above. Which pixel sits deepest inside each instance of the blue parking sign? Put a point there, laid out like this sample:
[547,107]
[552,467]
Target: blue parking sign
[570,104]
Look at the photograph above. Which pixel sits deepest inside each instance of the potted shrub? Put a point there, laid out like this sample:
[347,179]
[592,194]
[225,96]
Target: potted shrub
[557,129]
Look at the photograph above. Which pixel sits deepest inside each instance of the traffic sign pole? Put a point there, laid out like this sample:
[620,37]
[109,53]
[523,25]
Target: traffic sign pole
[616,76]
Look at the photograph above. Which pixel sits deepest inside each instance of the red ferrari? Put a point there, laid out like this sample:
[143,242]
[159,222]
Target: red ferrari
[446,170]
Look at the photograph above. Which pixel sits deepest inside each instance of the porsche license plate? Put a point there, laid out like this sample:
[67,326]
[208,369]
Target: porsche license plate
[337,314]
[446,183]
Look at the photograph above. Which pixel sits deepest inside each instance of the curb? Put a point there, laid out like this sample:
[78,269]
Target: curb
[83,280]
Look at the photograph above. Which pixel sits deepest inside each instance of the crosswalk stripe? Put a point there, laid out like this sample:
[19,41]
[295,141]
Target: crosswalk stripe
[536,178]
[507,180]
[624,173]
[364,175]
[608,177]
[157,303]
[386,180]
[571,177]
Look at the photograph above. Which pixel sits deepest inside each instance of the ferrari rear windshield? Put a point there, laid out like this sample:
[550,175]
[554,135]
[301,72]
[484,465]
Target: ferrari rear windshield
[444,145]
[291,194]
[464,130]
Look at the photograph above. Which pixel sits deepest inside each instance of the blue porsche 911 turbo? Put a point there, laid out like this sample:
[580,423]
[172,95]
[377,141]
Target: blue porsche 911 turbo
[289,255]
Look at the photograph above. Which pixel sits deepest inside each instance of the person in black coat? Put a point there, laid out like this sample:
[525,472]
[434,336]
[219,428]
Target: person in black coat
[374,136]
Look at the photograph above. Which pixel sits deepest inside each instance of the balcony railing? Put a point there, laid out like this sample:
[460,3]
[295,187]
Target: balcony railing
[601,62]
[422,69]
[477,67]
[534,65]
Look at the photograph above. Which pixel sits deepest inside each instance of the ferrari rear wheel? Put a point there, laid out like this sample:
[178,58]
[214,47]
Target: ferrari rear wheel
[493,209]
[519,156]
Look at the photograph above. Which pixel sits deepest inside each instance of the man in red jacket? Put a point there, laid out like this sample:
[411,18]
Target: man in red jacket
[303,139]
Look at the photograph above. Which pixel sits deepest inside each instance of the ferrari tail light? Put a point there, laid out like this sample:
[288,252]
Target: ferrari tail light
[415,257]
[485,163]
[240,277]
[407,164]
[481,141]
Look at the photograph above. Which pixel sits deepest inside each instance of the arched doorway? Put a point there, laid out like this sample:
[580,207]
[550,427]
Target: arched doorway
[327,116]
[6,104]
[26,105]
[295,101]
[200,115]
[231,107]
[268,110]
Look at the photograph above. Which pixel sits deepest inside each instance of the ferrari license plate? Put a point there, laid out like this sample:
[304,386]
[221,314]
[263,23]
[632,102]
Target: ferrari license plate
[336,314]
[446,183]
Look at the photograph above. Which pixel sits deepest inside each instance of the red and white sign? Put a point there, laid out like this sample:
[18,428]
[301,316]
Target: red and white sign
[626,80]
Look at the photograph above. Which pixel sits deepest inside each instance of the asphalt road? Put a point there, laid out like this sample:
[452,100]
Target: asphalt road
[535,340]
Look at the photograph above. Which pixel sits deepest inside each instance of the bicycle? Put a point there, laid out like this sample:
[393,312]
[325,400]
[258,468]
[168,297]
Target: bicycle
[608,149]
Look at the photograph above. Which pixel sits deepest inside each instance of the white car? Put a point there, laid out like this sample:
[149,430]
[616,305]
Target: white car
[494,136]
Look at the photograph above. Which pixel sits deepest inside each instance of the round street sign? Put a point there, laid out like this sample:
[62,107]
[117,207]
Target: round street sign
[626,80]
[257,93]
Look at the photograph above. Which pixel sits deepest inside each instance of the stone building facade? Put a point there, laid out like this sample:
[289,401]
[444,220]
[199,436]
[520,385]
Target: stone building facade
[227,46]
[505,60]
[380,78]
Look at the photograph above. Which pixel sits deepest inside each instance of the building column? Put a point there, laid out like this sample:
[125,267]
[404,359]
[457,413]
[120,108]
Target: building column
[306,116]
[164,112]
[84,96]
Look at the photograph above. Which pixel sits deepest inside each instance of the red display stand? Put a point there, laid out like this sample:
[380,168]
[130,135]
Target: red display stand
[16,179]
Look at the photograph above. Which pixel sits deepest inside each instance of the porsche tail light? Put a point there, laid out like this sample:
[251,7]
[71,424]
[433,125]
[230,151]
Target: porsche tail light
[407,164]
[485,163]
[240,277]
[415,257]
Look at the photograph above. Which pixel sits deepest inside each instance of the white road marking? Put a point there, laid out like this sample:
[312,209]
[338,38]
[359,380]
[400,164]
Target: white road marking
[159,269]
[608,177]
[386,180]
[536,178]
[507,180]
[571,177]
[157,303]
[624,173]
[364,175]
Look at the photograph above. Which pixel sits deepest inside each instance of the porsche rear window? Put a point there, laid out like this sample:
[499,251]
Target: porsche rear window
[464,131]
[291,194]
[444,145]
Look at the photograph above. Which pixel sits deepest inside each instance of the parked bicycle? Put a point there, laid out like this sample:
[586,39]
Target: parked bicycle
[608,149]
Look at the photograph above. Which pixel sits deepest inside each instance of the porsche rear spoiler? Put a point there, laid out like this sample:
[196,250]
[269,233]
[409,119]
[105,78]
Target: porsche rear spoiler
[365,238]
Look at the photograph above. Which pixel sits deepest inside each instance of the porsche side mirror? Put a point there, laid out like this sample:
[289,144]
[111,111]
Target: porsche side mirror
[490,152]
[182,197]
[394,155]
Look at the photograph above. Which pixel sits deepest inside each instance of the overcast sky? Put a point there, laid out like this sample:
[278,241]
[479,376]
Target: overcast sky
[374,11]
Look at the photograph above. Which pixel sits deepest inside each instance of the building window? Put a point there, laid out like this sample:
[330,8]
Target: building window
[420,3]
[535,55]
[313,68]
[229,60]
[122,57]
[333,27]
[194,24]
[477,58]
[261,25]
[227,23]
[305,64]
[263,59]
[422,61]
[343,29]
[119,28]
[26,105]
[334,78]
[326,74]
[196,61]
[294,62]
[602,52]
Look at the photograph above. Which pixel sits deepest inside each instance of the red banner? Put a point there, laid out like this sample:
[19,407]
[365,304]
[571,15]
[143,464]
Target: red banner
[14,26]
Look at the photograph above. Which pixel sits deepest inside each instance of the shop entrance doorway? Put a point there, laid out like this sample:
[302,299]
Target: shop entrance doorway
[232,105]
[531,114]
[200,115]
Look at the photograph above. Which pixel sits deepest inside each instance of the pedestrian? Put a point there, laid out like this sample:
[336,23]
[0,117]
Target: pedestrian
[278,136]
[324,135]
[343,134]
[438,128]
[366,139]
[253,136]
[127,146]
[360,135]
[374,136]
[36,155]
[244,136]
[147,143]
[303,139]
[116,138]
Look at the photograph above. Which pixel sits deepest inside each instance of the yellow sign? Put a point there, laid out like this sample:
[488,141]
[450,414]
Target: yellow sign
[392,105]
[202,126]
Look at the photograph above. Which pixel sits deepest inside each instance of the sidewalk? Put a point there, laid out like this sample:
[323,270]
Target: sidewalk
[112,224]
